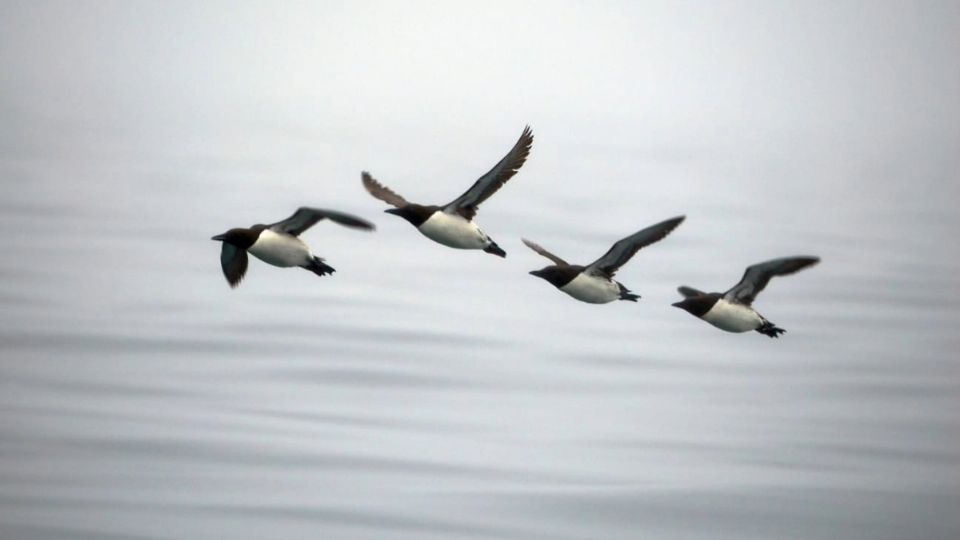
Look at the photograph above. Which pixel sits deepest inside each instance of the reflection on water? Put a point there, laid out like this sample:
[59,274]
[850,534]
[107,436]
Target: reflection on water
[423,392]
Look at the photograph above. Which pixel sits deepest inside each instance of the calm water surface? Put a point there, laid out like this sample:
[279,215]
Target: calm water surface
[423,392]
[459,397]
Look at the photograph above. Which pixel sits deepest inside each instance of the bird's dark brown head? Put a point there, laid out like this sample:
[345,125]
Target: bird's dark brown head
[242,238]
[697,306]
[558,276]
[414,213]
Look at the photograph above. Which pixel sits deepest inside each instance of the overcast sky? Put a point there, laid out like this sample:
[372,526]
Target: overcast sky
[177,80]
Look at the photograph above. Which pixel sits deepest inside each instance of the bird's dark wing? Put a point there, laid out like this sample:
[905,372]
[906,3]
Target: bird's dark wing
[536,247]
[381,191]
[622,251]
[757,276]
[689,292]
[306,217]
[233,260]
[488,184]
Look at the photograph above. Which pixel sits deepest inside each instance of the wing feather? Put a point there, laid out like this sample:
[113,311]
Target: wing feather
[306,217]
[233,260]
[466,204]
[536,247]
[381,191]
[689,292]
[756,277]
[622,251]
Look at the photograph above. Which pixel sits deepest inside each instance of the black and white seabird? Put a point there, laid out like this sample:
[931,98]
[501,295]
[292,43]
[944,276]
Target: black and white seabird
[452,224]
[594,283]
[731,310]
[278,243]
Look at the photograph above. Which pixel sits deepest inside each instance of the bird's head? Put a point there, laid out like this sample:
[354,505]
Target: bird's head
[696,305]
[242,238]
[558,276]
[413,213]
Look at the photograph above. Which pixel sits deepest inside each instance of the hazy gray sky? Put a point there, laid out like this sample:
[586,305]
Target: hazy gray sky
[806,81]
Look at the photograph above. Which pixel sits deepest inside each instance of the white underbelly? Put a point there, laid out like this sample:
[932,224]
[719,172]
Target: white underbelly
[592,289]
[280,249]
[454,231]
[732,317]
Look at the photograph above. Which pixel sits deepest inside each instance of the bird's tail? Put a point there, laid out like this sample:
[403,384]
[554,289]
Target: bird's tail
[495,249]
[770,329]
[318,267]
[625,293]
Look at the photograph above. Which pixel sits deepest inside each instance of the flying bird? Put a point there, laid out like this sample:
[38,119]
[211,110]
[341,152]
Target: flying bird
[732,311]
[594,283]
[452,224]
[279,243]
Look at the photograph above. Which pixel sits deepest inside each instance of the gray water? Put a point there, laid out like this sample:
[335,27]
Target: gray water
[424,392]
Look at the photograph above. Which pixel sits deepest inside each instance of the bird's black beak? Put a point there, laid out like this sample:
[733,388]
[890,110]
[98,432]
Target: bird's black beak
[677,304]
[534,273]
[219,237]
[394,211]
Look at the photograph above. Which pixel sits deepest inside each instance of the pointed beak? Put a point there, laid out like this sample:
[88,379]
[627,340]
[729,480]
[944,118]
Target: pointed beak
[218,238]
[394,211]
[677,305]
[534,273]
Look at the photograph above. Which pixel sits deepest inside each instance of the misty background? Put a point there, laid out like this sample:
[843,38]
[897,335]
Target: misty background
[425,392]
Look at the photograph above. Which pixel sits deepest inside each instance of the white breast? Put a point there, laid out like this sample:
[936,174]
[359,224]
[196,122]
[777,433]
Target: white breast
[733,317]
[592,289]
[454,231]
[280,249]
